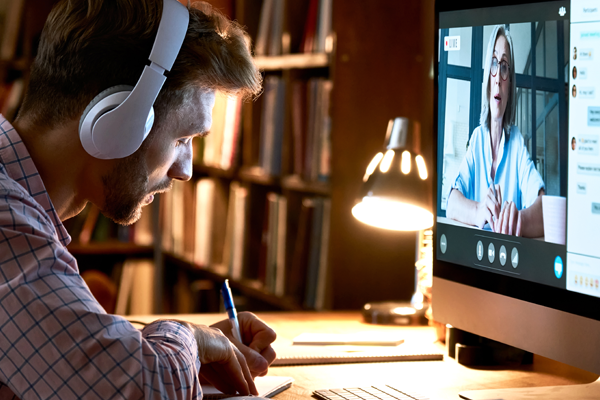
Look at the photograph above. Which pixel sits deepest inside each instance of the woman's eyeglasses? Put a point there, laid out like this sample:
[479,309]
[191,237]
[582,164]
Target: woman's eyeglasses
[504,68]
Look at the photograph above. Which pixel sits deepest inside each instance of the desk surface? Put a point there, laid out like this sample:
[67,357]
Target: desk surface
[444,379]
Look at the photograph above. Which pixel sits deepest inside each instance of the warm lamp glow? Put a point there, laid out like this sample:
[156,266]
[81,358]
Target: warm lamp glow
[421,167]
[392,215]
[405,163]
[387,161]
[372,166]
[404,311]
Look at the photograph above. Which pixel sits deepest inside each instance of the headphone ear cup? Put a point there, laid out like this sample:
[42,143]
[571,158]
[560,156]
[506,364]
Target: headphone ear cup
[105,101]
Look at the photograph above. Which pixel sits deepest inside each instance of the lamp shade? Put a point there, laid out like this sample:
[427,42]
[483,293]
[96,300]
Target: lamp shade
[395,193]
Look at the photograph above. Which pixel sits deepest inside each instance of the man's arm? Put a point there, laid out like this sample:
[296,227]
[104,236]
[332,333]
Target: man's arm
[56,340]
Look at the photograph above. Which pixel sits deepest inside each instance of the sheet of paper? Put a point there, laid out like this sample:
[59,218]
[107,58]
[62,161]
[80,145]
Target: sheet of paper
[267,386]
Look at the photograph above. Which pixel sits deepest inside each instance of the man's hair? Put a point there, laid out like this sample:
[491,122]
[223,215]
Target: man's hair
[88,46]
[510,114]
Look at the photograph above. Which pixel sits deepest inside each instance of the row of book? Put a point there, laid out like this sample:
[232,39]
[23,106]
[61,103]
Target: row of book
[221,148]
[308,267]
[272,126]
[215,227]
[135,295]
[91,226]
[310,130]
[273,38]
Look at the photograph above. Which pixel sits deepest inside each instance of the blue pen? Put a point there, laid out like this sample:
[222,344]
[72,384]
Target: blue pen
[231,311]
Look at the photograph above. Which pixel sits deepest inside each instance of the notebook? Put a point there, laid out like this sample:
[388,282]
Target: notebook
[369,338]
[267,386]
[302,355]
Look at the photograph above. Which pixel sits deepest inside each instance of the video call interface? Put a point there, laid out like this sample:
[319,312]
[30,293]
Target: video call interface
[531,72]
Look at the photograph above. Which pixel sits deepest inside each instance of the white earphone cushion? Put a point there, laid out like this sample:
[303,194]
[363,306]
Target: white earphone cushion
[103,94]
[110,98]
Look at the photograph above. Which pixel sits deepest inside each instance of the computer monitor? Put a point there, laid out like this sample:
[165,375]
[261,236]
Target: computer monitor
[537,147]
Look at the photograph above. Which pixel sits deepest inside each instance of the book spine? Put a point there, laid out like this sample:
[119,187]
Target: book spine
[324,169]
[204,220]
[260,49]
[314,255]
[297,276]
[274,48]
[271,266]
[299,125]
[214,143]
[281,248]
[267,129]
[324,25]
[177,210]
[11,29]
[239,233]
[311,132]
[189,221]
[232,116]
[308,39]
[320,295]
[228,241]
[279,121]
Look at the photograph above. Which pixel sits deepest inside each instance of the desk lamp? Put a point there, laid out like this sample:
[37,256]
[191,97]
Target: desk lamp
[395,196]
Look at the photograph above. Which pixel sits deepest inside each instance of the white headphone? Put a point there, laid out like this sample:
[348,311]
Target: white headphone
[117,121]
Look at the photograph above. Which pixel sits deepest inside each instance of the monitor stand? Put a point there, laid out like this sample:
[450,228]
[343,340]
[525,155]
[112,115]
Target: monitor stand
[589,391]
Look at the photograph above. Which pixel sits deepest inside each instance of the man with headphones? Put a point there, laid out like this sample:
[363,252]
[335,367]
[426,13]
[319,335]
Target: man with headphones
[117,92]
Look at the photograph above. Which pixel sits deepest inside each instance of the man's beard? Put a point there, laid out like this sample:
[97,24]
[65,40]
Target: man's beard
[125,188]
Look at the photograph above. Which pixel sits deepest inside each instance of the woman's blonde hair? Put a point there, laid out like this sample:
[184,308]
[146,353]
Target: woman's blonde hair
[88,46]
[510,114]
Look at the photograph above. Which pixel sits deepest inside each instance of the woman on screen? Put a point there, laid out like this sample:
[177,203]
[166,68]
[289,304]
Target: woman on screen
[497,183]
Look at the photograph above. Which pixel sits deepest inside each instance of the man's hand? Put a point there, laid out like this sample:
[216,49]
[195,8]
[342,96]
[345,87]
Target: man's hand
[222,364]
[257,338]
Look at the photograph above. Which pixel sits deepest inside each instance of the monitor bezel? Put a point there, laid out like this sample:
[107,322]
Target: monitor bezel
[531,292]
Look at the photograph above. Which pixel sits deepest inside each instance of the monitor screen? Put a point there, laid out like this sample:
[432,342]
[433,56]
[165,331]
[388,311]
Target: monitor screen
[518,174]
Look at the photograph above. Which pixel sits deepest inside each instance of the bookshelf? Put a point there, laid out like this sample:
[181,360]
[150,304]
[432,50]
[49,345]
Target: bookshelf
[379,63]
[273,191]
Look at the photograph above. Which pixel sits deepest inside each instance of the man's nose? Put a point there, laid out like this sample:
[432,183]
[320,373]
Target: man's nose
[182,168]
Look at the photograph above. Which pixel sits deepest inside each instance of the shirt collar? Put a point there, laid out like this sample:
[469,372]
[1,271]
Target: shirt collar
[20,167]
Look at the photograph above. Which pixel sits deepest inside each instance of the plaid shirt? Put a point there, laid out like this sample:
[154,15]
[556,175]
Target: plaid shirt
[56,341]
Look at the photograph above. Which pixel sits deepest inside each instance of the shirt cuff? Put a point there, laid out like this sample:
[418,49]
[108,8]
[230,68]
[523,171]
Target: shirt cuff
[173,332]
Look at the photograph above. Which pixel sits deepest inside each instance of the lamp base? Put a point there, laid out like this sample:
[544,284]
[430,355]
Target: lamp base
[394,313]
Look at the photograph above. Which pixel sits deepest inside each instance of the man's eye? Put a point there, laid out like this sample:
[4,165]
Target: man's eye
[183,141]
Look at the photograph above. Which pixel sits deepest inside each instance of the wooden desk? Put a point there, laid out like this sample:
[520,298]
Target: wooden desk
[444,379]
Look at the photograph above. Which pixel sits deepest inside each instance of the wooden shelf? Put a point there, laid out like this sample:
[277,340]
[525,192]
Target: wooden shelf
[111,248]
[203,170]
[256,175]
[295,183]
[250,288]
[20,64]
[293,61]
